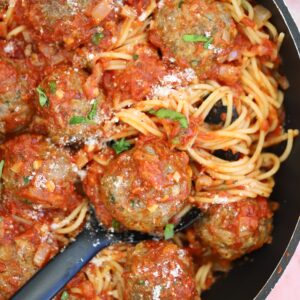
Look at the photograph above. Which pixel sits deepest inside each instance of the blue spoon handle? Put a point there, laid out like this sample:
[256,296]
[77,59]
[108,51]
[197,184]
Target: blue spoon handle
[47,282]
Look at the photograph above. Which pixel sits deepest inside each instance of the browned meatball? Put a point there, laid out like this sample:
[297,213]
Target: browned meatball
[145,187]
[234,229]
[195,33]
[23,256]
[92,189]
[15,93]
[68,22]
[159,270]
[37,171]
[63,106]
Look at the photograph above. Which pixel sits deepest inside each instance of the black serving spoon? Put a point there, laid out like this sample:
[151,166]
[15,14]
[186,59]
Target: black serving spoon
[47,282]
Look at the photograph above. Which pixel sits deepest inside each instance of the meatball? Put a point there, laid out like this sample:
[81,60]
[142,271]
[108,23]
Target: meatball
[15,94]
[146,186]
[38,172]
[22,257]
[9,228]
[197,33]
[139,77]
[234,229]
[65,109]
[92,189]
[68,22]
[159,270]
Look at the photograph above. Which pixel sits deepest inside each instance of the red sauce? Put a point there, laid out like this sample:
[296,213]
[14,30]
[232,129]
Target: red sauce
[137,80]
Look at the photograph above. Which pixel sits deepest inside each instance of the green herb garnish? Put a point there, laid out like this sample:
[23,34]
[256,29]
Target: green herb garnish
[43,99]
[121,145]
[135,56]
[1,167]
[85,120]
[64,295]
[93,111]
[208,43]
[142,282]
[180,3]
[79,120]
[164,113]
[52,87]
[169,231]
[198,38]
[195,38]
[26,179]
[115,224]
[97,37]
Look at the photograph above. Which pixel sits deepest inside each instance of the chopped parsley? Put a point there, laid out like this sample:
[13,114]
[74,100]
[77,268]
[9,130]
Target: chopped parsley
[85,120]
[135,56]
[180,3]
[195,38]
[208,43]
[52,87]
[64,296]
[1,167]
[142,282]
[93,111]
[164,113]
[121,145]
[192,38]
[169,231]
[115,224]
[97,37]
[43,99]
[26,179]
[79,120]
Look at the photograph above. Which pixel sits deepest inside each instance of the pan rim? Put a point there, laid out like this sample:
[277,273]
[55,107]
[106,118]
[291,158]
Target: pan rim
[295,237]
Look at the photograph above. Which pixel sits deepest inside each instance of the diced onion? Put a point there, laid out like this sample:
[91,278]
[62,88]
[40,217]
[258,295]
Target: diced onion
[226,36]
[51,53]
[261,15]
[233,55]
[102,10]
[41,255]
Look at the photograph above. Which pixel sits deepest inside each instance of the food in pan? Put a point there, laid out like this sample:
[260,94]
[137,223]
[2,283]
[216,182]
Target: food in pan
[141,110]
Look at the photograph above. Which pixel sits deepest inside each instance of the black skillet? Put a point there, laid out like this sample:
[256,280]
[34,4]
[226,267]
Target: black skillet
[255,277]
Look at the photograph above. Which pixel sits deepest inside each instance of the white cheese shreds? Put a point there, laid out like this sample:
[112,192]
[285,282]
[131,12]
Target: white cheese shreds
[172,81]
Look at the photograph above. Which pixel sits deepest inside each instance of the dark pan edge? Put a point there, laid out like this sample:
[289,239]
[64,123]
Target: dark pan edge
[290,23]
[295,238]
[281,266]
